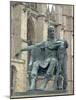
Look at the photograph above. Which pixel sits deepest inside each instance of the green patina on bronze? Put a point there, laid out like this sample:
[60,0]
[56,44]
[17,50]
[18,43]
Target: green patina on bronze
[50,55]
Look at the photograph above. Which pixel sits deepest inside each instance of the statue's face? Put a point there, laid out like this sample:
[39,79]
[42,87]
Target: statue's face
[51,33]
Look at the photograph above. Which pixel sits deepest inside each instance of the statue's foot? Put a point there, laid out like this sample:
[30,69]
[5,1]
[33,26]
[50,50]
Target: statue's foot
[42,87]
[32,89]
[33,84]
[65,90]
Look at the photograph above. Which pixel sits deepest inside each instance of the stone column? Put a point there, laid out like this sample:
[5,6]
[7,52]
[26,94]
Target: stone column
[68,35]
[11,30]
[58,9]
[41,23]
[15,29]
[23,44]
[42,27]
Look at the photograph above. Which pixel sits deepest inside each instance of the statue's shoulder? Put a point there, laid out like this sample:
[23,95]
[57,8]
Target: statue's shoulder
[66,44]
[63,42]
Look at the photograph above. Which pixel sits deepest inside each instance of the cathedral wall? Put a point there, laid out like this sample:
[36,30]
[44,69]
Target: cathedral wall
[37,28]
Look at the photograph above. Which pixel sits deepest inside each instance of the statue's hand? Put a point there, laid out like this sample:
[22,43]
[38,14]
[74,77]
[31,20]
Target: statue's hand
[17,55]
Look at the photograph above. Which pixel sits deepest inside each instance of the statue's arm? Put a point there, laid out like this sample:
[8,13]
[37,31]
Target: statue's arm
[29,48]
[54,45]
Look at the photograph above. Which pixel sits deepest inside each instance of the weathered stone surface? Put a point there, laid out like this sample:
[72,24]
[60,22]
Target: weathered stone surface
[19,31]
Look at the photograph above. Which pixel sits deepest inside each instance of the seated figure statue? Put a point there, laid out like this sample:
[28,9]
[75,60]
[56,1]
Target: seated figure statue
[60,82]
[44,54]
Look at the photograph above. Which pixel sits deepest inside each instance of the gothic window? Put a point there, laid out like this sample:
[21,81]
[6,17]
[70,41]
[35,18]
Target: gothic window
[32,5]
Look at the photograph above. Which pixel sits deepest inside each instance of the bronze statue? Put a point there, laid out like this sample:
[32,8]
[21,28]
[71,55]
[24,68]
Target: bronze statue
[47,54]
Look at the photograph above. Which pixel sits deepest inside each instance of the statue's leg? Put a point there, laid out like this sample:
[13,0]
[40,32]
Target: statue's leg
[58,82]
[61,75]
[55,87]
[65,83]
[65,77]
[64,67]
[53,63]
[50,71]
[34,75]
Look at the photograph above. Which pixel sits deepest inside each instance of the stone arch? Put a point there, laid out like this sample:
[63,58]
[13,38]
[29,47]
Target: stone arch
[31,37]
[30,30]
[13,79]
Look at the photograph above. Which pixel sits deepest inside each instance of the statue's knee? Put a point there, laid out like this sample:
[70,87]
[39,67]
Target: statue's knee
[53,59]
[36,64]
[33,76]
[48,76]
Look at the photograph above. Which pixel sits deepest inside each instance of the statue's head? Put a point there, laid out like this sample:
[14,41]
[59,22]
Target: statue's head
[51,32]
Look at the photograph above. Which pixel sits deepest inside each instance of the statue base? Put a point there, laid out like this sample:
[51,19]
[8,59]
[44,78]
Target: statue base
[38,92]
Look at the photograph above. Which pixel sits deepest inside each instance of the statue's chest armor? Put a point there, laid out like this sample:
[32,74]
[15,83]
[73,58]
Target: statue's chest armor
[50,53]
[36,53]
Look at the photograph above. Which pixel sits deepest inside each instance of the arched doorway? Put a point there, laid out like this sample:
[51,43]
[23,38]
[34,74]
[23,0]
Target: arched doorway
[13,79]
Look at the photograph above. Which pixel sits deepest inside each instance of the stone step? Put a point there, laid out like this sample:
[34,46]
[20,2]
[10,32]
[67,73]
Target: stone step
[39,92]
